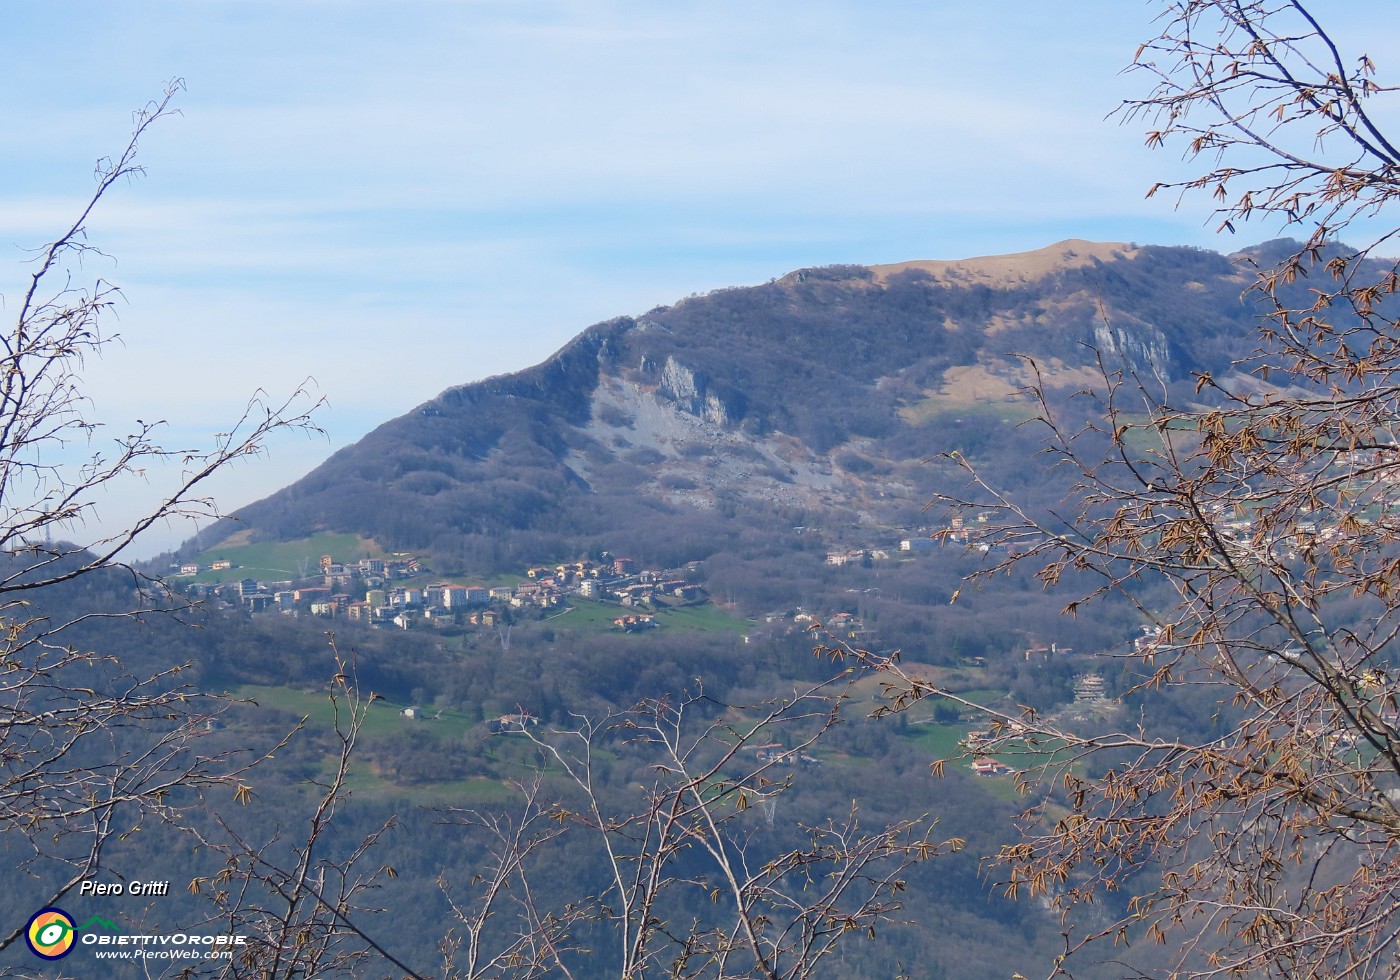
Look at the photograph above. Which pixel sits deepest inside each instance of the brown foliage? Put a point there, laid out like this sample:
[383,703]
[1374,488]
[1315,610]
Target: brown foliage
[1270,507]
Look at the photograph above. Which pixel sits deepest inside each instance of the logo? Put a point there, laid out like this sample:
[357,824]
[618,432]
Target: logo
[50,934]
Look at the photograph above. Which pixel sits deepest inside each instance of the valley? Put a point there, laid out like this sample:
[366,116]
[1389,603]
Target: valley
[710,523]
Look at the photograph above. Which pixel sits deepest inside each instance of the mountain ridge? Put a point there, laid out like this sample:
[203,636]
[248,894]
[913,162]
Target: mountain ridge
[818,393]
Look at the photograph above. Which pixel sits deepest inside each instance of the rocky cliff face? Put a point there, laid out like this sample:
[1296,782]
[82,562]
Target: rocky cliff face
[688,390]
[697,458]
[1144,349]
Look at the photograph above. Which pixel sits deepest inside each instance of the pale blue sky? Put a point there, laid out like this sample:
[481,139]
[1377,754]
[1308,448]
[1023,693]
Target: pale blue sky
[395,197]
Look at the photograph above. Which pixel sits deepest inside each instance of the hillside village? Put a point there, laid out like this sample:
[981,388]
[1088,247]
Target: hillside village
[400,592]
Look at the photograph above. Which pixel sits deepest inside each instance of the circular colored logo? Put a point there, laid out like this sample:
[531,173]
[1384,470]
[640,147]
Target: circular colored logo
[50,933]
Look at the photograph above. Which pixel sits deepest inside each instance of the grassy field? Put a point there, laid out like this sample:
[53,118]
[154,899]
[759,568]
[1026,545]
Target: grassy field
[382,718]
[283,559]
[708,618]
[939,741]
[935,407]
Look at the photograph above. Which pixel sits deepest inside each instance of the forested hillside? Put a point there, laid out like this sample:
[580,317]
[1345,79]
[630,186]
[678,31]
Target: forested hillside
[813,399]
[426,778]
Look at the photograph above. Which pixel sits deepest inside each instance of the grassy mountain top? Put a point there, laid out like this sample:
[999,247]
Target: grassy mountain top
[1019,267]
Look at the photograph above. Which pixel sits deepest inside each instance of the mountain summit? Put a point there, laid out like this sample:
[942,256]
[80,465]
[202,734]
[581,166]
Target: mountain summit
[815,397]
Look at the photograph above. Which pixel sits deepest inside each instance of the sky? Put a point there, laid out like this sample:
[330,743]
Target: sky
[380,200]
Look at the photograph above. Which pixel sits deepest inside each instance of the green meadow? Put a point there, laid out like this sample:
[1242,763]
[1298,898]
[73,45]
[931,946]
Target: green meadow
[583,614]
[282,559]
